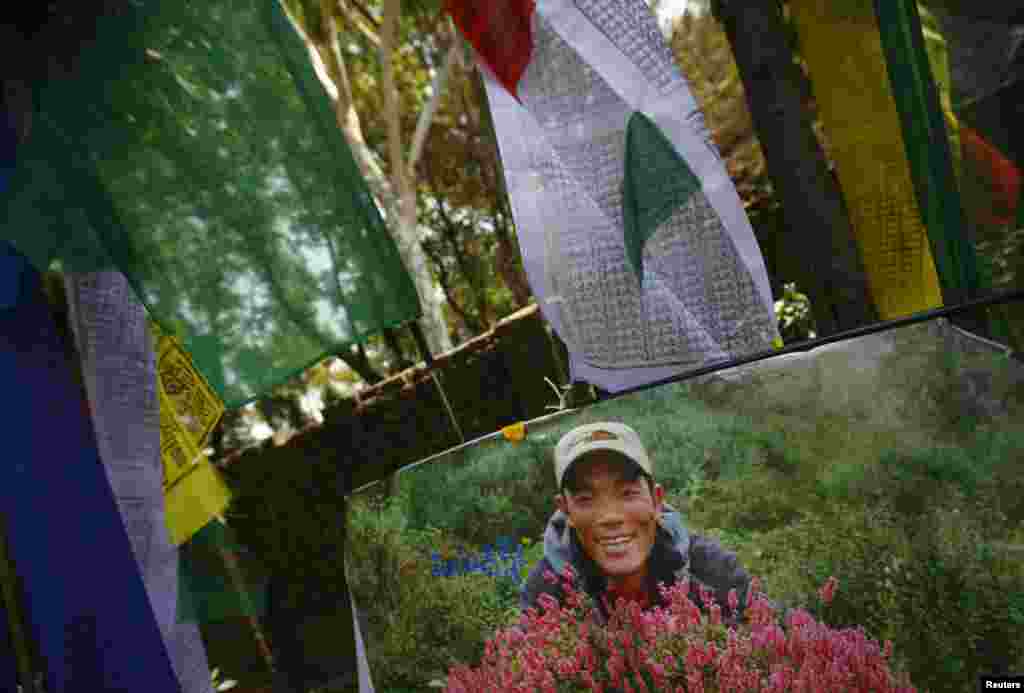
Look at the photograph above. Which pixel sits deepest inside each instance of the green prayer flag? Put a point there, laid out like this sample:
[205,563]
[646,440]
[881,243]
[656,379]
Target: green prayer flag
[195,150]
[207,590]
[928,148]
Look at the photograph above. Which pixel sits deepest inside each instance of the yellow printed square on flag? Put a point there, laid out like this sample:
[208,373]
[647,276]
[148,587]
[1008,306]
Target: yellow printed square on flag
[194,493]
[196,406]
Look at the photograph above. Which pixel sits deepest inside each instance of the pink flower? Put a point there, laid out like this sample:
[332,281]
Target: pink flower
[716,615]
[563,645]
[548,603]
[734,600]
[827,592]
[798,618]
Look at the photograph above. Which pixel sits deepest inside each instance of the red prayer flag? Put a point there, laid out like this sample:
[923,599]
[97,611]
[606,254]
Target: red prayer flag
[500,32]
[1002,174]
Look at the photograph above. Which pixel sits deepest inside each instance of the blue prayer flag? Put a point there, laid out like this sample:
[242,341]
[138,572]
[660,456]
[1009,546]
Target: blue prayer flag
[88,609]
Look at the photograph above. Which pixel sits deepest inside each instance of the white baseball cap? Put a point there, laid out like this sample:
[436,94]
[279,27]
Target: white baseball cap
[600,436]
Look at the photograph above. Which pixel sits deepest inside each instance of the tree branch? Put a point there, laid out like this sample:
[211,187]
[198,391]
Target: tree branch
[330,68]
[450,231]
[389,40]
[430,110]
[451,235]
[365,14]
[358,22]
[394,193]
[444,279]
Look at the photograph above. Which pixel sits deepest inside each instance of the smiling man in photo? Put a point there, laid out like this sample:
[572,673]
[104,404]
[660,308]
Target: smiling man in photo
[614,528]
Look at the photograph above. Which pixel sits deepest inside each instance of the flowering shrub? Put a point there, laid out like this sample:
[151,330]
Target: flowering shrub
[676,649]
[504,559]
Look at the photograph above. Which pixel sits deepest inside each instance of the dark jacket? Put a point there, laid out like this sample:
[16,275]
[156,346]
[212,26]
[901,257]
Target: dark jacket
[676,554]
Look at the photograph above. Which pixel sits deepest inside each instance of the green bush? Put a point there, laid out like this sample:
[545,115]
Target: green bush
[510,492]
[856,545]
[957,606]
[759,501]
[947,465]
[928,583]
[438,621]
[1001,483]
[418,624]
[917,478]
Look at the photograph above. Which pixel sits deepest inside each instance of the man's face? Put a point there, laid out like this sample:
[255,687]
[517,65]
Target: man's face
[615,519]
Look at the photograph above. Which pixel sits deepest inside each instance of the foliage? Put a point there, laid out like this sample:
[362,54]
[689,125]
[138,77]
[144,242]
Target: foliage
[220,683]
[687,441]
[428,622]
[562,647]
[702,52]
[919,478]
[415,644]
[793,312]
[933,586]
[955,606]
[465,225]
[512,494]
[756,502]
[941,589]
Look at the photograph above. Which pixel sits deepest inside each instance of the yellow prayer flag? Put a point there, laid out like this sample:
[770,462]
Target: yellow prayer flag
[843,50]
[196,407]
[190,504]
[194,493]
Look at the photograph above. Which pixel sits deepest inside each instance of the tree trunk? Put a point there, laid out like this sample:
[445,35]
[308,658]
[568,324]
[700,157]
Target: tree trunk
[812,202]
[392,196]
[407,227]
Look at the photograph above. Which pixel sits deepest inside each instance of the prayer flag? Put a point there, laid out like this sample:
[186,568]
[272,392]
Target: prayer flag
[196,152]
[633,237]
[118,367]
[89,612]
[850,79]
[189,409]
